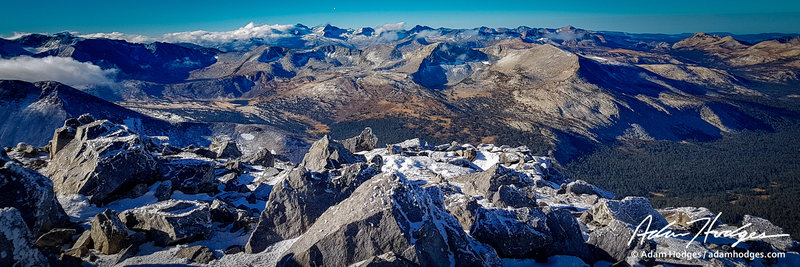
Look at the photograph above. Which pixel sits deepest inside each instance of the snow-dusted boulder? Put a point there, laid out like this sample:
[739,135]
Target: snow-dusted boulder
[189,175]
[389,214]
[503,186]
[327,154]
[630,210]
[63,135]
[681,217]
[582,187]
[567,235]
[197,254]
[108,234]
[16,245]
[463,207]
[363,142]
[610,243]
[55,238]
[171,222]
[23,150]
[514,233]
[296,202]
[32,195]
[222,212]
[762,225]
[526,232]
[261,157]
[225,148]
[102,161]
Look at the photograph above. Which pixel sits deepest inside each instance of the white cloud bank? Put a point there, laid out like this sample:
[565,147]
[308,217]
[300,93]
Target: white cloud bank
[61,69]
[251,30]
[390,27]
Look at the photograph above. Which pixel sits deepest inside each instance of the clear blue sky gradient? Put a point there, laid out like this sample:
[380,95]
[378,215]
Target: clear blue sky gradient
[152,17]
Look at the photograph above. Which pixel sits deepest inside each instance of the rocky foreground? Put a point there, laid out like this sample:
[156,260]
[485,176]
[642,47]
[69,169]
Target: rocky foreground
[100,194]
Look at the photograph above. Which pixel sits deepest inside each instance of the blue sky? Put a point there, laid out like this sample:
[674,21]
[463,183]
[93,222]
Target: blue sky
[157,17]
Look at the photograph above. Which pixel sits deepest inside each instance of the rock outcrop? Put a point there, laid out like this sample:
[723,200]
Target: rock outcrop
[108,234]
[190,176]
[682,216]
[327,154]
[387,214]
[610,243]
[225,148]
[513,233]
[16,242]
[55,238]
[261,157]
[503,186]
[630,210]
[409,204]
[761,225]
[33,197]
[197,254]
[102,161]
[296,203]
[170,222]
[582,187]
[363,142]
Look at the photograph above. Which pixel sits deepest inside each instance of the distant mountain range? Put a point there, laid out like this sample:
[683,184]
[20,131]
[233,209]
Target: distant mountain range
[559,91]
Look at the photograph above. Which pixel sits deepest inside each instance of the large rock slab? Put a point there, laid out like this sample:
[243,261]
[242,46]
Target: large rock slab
[261,157]
[363,142]
[580,187]
[530,232]
[504,187]
[108,234]
[225,148]
[32,195]
[190,176]
[296,202]
[197,254]
[567,235]
[517,233]
[388,214]
[630,210]
[761,225]
[682,216]
[16,242]
[327,154]
[102,161]
[171,222]
[610,243]
[55,238]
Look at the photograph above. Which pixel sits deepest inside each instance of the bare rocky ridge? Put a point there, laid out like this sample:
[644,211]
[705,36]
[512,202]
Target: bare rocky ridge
[407,204]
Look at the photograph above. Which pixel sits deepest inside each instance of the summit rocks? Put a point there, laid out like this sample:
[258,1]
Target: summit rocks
[387,214]
[101,160]
[327,154]
[408,204]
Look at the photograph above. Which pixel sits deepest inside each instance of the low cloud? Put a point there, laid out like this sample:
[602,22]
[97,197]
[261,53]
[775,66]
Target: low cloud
[61,69]
[390,27]
[249,31]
